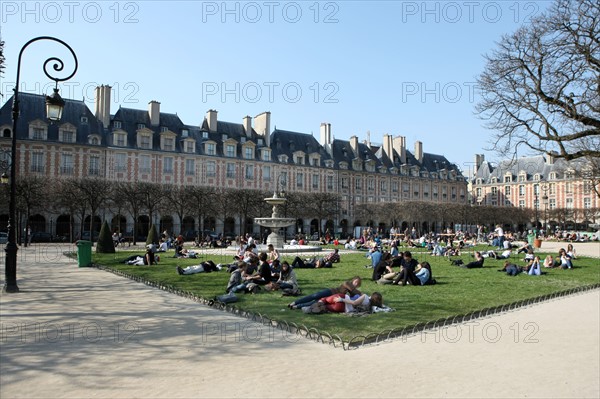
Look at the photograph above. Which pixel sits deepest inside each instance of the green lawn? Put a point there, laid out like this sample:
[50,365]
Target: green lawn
[458,290]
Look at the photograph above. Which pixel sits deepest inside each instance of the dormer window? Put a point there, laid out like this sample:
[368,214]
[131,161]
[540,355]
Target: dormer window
[261,142]
[190,146]
[120,139]
[329,163]
[185,133]
[210,149]
[283,158]
[204,135]
[266,154]
[164,129]
[94,141]
[68,136]
[84,119]
[508,179]
[224,137]
[248,153]
[168,144]
[230,151]
[117,124]
[242,140]
[38,130]
[141,126]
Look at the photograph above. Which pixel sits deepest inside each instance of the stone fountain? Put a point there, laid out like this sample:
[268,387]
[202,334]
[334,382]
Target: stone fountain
[275,222]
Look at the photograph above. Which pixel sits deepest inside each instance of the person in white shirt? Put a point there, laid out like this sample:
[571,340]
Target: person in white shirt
[500,232]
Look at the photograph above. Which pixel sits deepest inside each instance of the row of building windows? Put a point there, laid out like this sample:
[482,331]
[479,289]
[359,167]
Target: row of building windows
[523,178]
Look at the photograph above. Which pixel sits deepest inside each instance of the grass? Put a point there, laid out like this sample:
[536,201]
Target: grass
[458,290]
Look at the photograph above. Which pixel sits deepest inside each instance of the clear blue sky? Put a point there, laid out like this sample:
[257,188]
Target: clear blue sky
[396,67]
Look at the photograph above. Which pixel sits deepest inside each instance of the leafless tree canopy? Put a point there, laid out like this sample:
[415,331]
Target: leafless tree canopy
[541,85]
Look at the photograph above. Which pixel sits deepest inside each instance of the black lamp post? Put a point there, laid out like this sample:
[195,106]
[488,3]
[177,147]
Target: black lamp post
[54,108]
[545,199]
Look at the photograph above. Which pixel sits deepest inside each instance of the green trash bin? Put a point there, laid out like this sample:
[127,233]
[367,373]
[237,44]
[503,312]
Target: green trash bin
[84,253]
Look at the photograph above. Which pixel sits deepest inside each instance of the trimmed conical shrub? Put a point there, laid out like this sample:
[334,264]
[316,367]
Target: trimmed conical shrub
[152,236]
[105,243]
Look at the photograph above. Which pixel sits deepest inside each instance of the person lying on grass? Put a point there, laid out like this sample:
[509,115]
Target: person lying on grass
[204,267]
[339,303]
[349,287]
[477,263]
[149,258]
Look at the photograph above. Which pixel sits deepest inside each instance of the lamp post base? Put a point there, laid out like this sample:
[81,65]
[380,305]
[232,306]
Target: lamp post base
[10,284]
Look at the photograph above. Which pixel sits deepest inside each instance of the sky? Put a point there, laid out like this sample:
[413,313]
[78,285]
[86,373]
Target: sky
[386,67]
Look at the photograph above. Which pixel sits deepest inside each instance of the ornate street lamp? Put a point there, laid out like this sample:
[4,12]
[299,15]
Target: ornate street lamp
[54,107]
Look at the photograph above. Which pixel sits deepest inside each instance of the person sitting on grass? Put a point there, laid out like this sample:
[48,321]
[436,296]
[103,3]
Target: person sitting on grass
[533,268]
[375,255]
[273,254]
[564,259]
[549,261]
[571,251]
[235,278]
[424,274]
[287,278]
[260,276]
[383,267]
[477,263]
[407,271]
[348,287]
[204,267]
[339,303]
[149,258]
[332,257]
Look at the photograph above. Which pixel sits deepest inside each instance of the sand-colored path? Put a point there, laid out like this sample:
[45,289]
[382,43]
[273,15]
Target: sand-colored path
[78,332]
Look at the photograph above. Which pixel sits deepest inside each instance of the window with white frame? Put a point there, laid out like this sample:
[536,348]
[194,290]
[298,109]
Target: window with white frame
[145,141]
[395,186]
[315,181]
[190,167]
[444,192]
[211,149]
[141,126]
[168,144]
[211,169]
[435,191]
[405,189]
[249,172]
[508,179]
[190,147]
[552,203]
[66,164]
[167,165]
[330,182]
[357,183]
[230,150]
[37,162]
[117,124]
[345,182]
[230,172]
[248,153]
[453,192]
[383,186]
[39,133]
[145,164]
[494,190]
[521,189]
[266,155]
[569,203]
[299,180]
[569,187]
[68,136]
[521,203]
[587,203]
[507,190]
[120,162]
[522,177]
[370,183]
[94,165]
[120,139]
[266,172]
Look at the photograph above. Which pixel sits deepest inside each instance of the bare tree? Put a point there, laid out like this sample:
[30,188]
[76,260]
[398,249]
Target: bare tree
[133,199]
[152,196]
[323,206]
[179,199]
[203,203]
[96,193]
[541,85]
[68,197]
[31,194]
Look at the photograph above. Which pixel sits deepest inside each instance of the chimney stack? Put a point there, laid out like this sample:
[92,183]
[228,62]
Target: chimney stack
[354,146]
[154,112]
[419,151]
[388,146]
[479,158]
[211,118]
[247,123]
[399,144]
[262,125]
[326,137]
[103,104]
[550,158]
